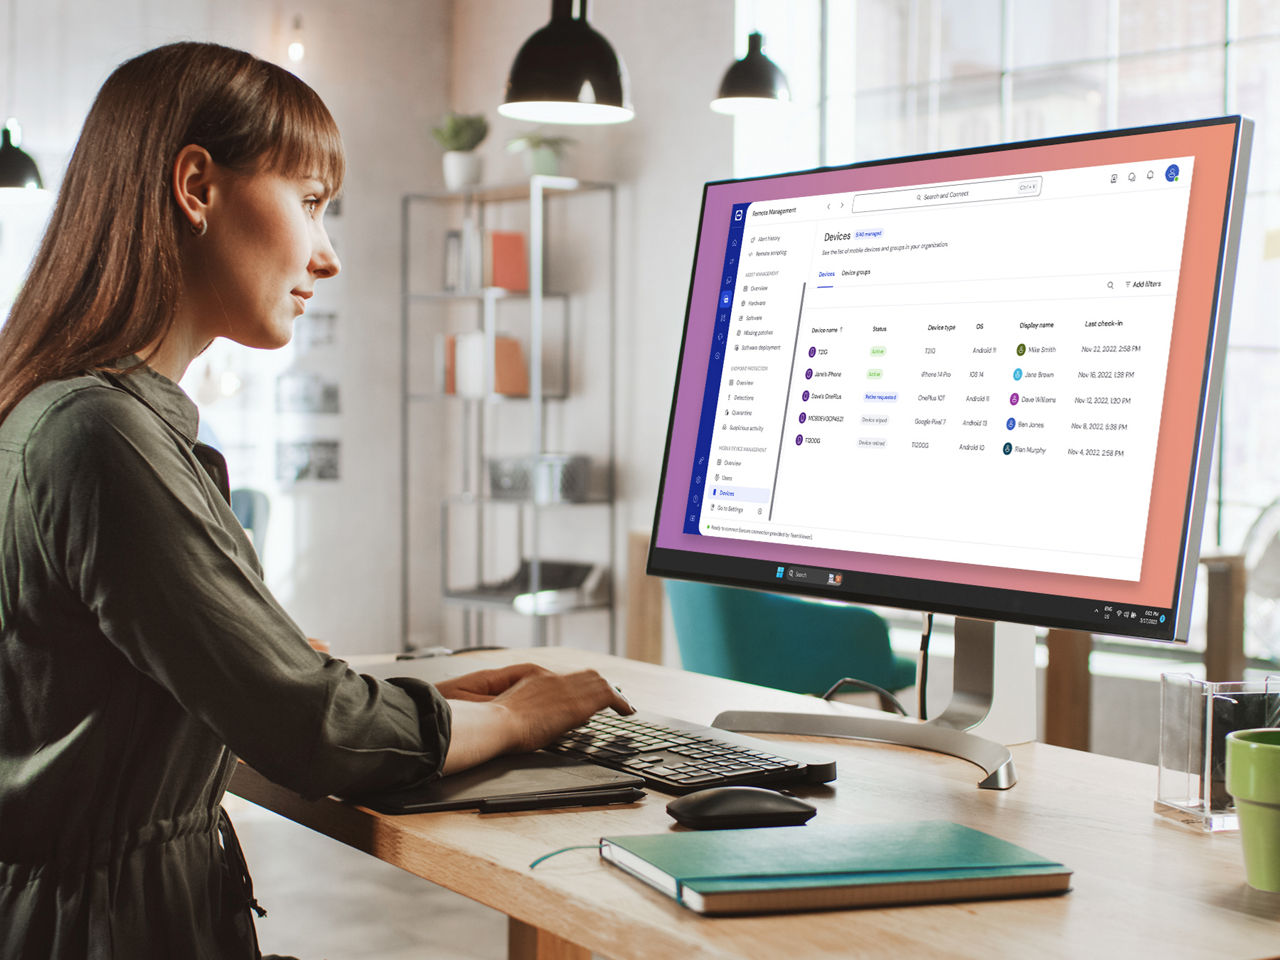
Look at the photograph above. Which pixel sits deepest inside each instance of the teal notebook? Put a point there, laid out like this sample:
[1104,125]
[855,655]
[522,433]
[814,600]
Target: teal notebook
[822,867]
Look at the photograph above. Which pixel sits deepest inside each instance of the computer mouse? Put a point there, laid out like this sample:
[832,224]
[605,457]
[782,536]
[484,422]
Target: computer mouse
[727,808]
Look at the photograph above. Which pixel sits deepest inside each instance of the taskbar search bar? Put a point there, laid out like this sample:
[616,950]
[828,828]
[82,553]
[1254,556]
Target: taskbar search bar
[934,195]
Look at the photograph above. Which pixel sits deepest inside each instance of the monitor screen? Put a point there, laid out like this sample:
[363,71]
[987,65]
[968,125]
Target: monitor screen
[981,382]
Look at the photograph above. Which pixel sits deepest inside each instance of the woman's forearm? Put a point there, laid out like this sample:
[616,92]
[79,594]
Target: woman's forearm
[481,731]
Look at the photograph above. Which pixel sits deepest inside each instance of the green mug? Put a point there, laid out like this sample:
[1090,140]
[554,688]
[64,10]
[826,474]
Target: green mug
[1253,778]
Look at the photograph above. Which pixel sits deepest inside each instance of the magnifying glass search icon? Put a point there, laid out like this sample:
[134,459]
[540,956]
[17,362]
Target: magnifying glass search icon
[1110,285]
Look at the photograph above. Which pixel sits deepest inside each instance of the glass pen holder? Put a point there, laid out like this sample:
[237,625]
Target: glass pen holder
[1195,718]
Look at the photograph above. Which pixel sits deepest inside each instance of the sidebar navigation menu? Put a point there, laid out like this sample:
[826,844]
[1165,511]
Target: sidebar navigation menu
[715,367]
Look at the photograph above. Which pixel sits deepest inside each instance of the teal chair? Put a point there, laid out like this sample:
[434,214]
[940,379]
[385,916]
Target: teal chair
[805,646]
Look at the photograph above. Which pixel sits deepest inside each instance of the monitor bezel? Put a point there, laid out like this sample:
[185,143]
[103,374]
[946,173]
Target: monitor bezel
[972,600]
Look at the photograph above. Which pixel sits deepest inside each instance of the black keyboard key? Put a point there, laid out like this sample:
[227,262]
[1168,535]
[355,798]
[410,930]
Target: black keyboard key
[602,752]
[663,772]
[676,757]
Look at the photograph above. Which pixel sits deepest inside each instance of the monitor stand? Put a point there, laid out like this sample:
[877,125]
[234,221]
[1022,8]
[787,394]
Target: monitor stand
[993,694]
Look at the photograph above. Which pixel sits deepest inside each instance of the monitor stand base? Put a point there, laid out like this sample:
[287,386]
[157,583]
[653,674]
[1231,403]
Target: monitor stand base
[994,692]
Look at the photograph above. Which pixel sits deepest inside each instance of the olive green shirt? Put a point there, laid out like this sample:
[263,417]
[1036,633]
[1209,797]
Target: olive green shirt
[140,652]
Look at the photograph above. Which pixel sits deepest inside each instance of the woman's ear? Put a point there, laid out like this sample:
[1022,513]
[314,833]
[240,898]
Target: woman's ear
[193,174]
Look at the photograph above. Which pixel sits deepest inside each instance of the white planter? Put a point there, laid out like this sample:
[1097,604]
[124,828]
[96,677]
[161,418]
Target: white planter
[461,169]
[542,160]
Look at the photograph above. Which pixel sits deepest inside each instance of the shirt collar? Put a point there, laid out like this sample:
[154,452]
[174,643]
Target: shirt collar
[165,398]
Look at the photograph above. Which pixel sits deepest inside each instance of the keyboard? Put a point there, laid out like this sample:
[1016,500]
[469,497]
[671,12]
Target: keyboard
[677,757]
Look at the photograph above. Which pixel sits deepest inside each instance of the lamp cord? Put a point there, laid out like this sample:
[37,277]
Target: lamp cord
[12,78]
[885,695]
[922,686]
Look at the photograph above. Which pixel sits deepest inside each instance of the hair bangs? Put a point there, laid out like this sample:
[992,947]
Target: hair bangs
[305,139]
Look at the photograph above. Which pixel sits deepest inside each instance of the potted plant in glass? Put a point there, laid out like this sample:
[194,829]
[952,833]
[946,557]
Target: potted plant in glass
[460,134]
[542,153]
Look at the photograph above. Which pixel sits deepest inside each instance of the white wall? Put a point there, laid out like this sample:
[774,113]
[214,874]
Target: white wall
[382,69]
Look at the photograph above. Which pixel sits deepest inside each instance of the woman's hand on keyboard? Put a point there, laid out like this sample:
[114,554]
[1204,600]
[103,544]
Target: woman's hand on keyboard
[520,708]
[483,684]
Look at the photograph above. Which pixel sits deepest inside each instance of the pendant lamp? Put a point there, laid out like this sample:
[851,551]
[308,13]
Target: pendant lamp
[752,82]
[567,73]
[17,169]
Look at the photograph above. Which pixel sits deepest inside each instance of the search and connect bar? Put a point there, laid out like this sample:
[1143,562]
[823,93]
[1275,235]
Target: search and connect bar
[940,292]
[932,196]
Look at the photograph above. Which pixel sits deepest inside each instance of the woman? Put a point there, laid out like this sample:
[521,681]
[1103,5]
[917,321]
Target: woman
[140,651]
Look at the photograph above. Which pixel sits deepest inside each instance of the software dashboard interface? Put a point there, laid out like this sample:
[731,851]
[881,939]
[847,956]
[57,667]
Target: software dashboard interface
[987,369]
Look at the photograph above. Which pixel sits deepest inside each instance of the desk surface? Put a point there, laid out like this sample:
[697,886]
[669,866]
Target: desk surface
[1142,885]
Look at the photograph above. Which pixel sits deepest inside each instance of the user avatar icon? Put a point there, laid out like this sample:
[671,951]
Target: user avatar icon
[1013,398]
[1010,423]
[1022,348]
[1017,373]
[1008,449]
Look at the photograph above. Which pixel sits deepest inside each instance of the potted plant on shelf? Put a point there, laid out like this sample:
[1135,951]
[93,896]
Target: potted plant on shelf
[460,134]
[542,153]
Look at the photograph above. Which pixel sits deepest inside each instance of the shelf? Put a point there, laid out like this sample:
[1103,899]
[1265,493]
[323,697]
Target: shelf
[518,190]
[471,500]
[487,398]
[550,603]
[479,296]
[544,322]
[566,586]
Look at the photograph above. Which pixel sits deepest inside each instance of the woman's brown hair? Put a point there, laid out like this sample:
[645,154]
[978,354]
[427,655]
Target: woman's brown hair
[106,280]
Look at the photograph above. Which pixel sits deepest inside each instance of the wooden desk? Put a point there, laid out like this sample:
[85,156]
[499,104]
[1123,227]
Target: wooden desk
[1142,886]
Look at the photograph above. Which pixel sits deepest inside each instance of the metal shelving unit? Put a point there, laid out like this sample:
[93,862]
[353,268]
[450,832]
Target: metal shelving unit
[540,587]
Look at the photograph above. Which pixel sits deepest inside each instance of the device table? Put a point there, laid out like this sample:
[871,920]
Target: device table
[1142,886]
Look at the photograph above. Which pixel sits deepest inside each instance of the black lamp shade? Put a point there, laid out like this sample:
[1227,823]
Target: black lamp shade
[752,80]
[567,73]
[16,168]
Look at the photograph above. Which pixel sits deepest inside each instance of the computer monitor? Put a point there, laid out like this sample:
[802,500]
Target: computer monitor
[981,382]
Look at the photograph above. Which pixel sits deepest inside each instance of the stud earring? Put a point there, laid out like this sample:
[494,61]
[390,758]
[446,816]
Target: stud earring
[201,228]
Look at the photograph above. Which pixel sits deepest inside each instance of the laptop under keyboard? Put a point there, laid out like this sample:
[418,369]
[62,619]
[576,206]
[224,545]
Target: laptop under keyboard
[677,757]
